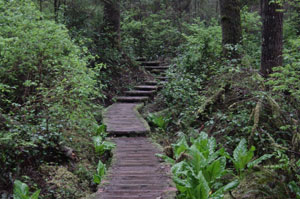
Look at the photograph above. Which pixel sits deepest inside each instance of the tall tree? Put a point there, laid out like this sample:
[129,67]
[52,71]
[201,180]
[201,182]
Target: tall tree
[272,36]
[112,21]
[231,26]
[56,8]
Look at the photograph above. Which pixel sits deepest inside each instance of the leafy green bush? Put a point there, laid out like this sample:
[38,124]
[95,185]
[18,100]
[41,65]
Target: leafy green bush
[159,121]
[199,170]
[242,157]
[101,171]
[45,87]
[195,67]
[101,146]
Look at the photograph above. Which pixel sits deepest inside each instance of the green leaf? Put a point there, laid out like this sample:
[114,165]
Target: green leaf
[166,158]
[180,174]
[197,160]
[97,179]
[180,147]
[35,195]
[215,170]
[202,190]
[21,190]
[240,149]
[205,145]
[242,156]
[295,189]
[101,131]
[219,194]
[259,160]
[108,145]
[101,171]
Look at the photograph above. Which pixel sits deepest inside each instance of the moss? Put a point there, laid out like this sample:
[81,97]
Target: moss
[64,183]
[136,110]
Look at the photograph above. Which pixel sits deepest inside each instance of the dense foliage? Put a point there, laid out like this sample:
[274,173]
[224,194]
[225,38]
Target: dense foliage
[229,100]
[46,88]
[227,131]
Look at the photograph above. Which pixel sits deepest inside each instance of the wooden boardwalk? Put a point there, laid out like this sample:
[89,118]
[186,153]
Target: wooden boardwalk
[136,172]
[124,119]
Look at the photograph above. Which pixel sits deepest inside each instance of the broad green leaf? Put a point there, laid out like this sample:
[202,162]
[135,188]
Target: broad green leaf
[97,179]
[205,145]
[215,170]
[180,173]
[242,156]
[101,169]
[166,158]
[197,160]
[21,190]
[219,194]
[202,190]
[108,145]
[180,147]
[240,149]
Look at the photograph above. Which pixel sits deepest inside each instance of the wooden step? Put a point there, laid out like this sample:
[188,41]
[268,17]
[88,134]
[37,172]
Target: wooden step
[132,195]
[150,63]
[141,59]
[139,93]
[146,88]
[160,75]
[158,71]
[156,67]
[130,99]
[151,83]
[162,78]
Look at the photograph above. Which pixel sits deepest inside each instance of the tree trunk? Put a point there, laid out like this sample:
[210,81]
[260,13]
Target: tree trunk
[272,37]
[112,21]
[231,26]
[156,6]
[41,5]
[56,7]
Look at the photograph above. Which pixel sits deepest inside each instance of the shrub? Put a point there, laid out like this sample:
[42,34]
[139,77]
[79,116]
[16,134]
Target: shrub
[45,86]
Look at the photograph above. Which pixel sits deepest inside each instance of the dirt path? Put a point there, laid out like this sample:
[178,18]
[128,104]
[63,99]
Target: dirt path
[136,172]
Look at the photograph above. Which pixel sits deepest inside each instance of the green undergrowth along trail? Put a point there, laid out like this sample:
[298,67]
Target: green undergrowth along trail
[102,147]
[61,62]
[232,102]
[201,170]
[47,116]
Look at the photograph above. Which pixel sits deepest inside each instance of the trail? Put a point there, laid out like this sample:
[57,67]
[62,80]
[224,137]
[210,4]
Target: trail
[136,172]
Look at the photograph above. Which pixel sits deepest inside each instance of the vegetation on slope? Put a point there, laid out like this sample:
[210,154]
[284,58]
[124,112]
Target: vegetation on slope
[60,64]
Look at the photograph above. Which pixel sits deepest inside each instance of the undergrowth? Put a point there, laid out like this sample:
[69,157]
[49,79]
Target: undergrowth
[231,102]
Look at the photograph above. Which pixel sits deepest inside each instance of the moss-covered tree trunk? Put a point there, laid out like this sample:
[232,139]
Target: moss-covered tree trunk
[112,22]
[272,36]
[231,26]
